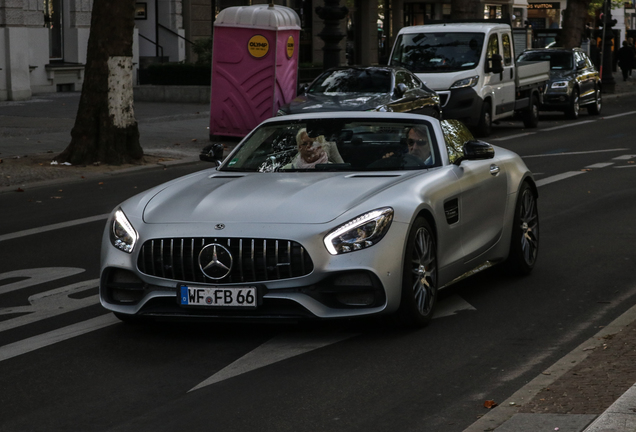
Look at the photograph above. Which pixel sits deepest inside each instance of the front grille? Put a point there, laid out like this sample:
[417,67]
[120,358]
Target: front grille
[254,260]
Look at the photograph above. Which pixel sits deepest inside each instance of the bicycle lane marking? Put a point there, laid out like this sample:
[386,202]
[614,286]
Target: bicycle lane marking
[46,339]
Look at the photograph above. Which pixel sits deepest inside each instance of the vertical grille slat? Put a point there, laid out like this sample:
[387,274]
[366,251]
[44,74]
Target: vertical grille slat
[254,260]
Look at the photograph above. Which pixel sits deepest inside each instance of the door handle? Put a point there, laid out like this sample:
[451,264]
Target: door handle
[494,169]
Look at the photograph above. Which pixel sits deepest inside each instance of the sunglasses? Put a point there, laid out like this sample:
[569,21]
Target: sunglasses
[411,142]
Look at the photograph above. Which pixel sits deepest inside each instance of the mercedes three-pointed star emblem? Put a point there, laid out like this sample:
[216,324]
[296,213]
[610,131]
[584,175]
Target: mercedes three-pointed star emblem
[215,261]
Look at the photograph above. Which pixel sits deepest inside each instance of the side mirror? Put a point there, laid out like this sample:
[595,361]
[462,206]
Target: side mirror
[476,150]
[212,153]
[400,89]
[496,64]
[580,65]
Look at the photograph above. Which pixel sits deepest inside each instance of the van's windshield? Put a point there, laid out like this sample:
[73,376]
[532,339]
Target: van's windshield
[438,52]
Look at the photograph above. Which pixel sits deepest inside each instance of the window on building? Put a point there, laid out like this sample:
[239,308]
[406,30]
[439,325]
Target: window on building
[417,13]
[492,12]
[53,21]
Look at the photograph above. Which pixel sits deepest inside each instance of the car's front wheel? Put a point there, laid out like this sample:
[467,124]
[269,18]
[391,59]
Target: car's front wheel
[524,243]
[574,108]
[419,279]
[595,108]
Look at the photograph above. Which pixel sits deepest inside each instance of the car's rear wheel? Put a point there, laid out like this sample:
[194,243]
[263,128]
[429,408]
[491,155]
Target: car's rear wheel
[531,114]
[574,109]
[484,128]
[419,279]
[595,108]
[524,243]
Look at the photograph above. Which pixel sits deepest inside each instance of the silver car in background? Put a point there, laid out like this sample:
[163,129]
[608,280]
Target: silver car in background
[388,210]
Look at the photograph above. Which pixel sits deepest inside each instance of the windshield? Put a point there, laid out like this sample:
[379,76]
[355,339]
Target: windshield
[438,52]
[352,81]
[559,60]
[336,145]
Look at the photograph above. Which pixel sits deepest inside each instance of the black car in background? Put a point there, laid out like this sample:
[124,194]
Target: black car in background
[574,81]
[366,88]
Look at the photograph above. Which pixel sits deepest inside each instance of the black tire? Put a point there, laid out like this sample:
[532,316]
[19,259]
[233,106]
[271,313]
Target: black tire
[484,128]
[575,108]
[419,278]
[531,114]
[595,108]
[524,243]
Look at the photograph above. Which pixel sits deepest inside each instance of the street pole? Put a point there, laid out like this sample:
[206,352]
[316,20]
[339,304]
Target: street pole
[607,78]
[331,14]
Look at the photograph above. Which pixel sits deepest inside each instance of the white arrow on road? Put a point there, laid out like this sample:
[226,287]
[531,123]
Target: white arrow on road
[290,345]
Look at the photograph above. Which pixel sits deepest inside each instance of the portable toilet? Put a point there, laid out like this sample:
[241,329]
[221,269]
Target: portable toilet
[254,66]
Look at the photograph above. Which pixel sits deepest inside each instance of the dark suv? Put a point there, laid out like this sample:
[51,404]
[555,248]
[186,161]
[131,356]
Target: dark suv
[574,81]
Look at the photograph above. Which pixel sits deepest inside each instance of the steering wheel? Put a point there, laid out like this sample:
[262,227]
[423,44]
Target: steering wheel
[412,161]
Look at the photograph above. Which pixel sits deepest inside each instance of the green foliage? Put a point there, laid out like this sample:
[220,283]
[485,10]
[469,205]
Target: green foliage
[597,5]
[176,74]
[203,49]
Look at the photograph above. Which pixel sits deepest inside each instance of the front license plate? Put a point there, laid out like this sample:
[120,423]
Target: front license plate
[245,297]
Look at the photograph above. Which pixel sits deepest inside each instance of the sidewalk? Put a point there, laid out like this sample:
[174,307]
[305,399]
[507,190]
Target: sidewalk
[591,389]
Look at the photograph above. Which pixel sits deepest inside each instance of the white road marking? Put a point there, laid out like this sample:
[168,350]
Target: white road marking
[625,157]
[277,349]
[512,136]
[626,166]
[619,115]
[568,125]
[558,177]
[290,345]
[575,153]
[50,303]
[52,227]
[36,342]
[36,276]
[451,306]
[600,165]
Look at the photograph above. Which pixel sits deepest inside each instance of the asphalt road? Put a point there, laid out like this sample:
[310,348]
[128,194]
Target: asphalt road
[67,365]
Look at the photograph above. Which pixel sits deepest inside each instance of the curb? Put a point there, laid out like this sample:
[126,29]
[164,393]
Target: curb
[508,408]
[66,180]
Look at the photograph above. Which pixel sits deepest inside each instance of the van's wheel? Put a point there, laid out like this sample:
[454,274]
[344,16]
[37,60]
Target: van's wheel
[595,108]
[484,128]
[419,278]
[574,108]
[531,114]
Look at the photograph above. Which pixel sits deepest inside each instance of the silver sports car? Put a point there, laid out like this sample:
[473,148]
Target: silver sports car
[323,216]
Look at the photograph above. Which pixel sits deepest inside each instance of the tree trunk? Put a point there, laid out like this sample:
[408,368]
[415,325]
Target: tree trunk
[466,9]
[574,19]
[105,128]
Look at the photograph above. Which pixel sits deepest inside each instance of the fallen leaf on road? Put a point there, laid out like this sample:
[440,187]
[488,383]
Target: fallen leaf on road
[19,190]
[490,404]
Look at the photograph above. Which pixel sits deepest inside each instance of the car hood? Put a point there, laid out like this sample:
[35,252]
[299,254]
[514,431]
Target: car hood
[266,198]
[337,102]
[559,75]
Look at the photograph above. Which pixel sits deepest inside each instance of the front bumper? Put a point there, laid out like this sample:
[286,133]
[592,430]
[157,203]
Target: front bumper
[360,283]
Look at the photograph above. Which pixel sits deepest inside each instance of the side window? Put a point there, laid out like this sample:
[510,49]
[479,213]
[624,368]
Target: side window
[400,78]
[455,136]
[493,46]
[588,61]
[413,82]
[507,49]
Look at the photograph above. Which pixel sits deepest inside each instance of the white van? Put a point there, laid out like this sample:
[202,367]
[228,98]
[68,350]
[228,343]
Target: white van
[473,69]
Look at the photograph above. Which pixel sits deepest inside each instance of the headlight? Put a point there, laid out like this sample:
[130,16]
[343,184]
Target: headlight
[466,82]
[359,233]
[280,112]
[122,234]
[559,84]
